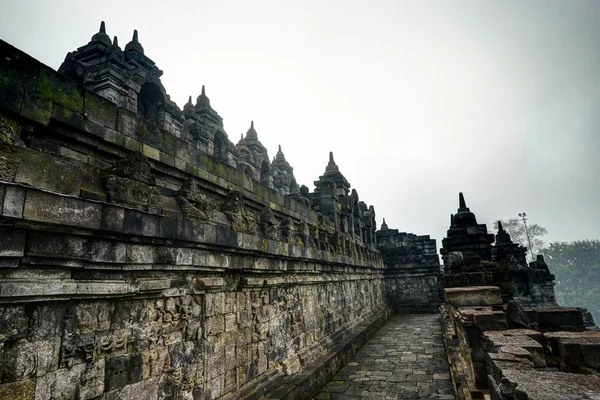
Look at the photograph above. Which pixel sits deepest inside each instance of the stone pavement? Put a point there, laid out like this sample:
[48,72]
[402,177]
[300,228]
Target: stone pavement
[405,359]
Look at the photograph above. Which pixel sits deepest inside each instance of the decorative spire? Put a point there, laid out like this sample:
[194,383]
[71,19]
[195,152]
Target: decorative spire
[115,46]
[464,216]
[331,166]
[384,226]
[280,156]
[451,220]
[251,134]
[203,99]
[461,201]
[101,36]
[502,236]
[189,105]
[135,45]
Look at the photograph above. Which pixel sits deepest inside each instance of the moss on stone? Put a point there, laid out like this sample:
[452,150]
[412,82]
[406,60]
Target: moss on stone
[21,390]
[220,170]
[47,172]
[36,108]
[151,152]
[191,169]
[142,132]
[132,144]
[168,143]
[61,91]
[206,162]
[100,110]
[114,137]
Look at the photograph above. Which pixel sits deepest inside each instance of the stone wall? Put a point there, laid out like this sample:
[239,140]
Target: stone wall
[505,336]
[412,271]
[133,264]
[99,299]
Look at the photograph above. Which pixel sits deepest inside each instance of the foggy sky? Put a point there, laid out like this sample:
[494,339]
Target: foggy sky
[418,100]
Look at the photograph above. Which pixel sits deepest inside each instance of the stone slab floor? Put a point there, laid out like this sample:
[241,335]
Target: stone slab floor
[405,359]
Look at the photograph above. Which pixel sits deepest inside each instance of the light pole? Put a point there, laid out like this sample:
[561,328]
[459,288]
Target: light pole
[524,219]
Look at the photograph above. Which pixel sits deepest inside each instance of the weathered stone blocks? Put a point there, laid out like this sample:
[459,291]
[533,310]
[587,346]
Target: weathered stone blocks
[45,207]
[14,198]
[473,296]
[21,390]
[151,297]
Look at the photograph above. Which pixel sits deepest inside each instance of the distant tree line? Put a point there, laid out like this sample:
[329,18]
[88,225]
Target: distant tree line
[576,265]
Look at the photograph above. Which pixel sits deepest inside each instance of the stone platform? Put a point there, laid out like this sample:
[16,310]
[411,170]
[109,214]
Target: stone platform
[404,360]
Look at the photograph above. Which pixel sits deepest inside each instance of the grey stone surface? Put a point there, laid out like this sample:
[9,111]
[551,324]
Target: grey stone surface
[405,359]
[142,268]
[14,197]
[45,207]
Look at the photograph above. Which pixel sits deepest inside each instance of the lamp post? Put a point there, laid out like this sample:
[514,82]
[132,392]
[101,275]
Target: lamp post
[523,217]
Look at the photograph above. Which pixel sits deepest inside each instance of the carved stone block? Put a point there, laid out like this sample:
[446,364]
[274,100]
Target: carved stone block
[193,203]
[240,218]
[23,359]
[132,192]
[92,380]
[135,167]
[21,390]
[13,322]
[59,384]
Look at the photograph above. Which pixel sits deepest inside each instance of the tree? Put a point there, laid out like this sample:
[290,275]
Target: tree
[516,229]
[576,266]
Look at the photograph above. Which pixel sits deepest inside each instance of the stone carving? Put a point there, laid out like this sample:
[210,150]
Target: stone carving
[268,224]
[314,234]
[241,219]
[17,363]
[131,181]
[92,380]
[102,347]
[170,311]
[283,175]
[124,190]
[96,350]
[136,166]
[193,203]
[304,234]
[288,231]
[305,196]
[153,362]
[254,159]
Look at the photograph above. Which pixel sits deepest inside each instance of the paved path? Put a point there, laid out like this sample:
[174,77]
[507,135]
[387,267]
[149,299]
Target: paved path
[405,359]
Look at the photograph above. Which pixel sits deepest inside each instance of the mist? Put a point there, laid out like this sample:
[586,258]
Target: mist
[417,100]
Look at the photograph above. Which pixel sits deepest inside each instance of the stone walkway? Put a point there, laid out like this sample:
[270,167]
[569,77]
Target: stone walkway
[404,360]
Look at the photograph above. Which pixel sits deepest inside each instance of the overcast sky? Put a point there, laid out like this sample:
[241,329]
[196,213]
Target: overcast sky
[418,100]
